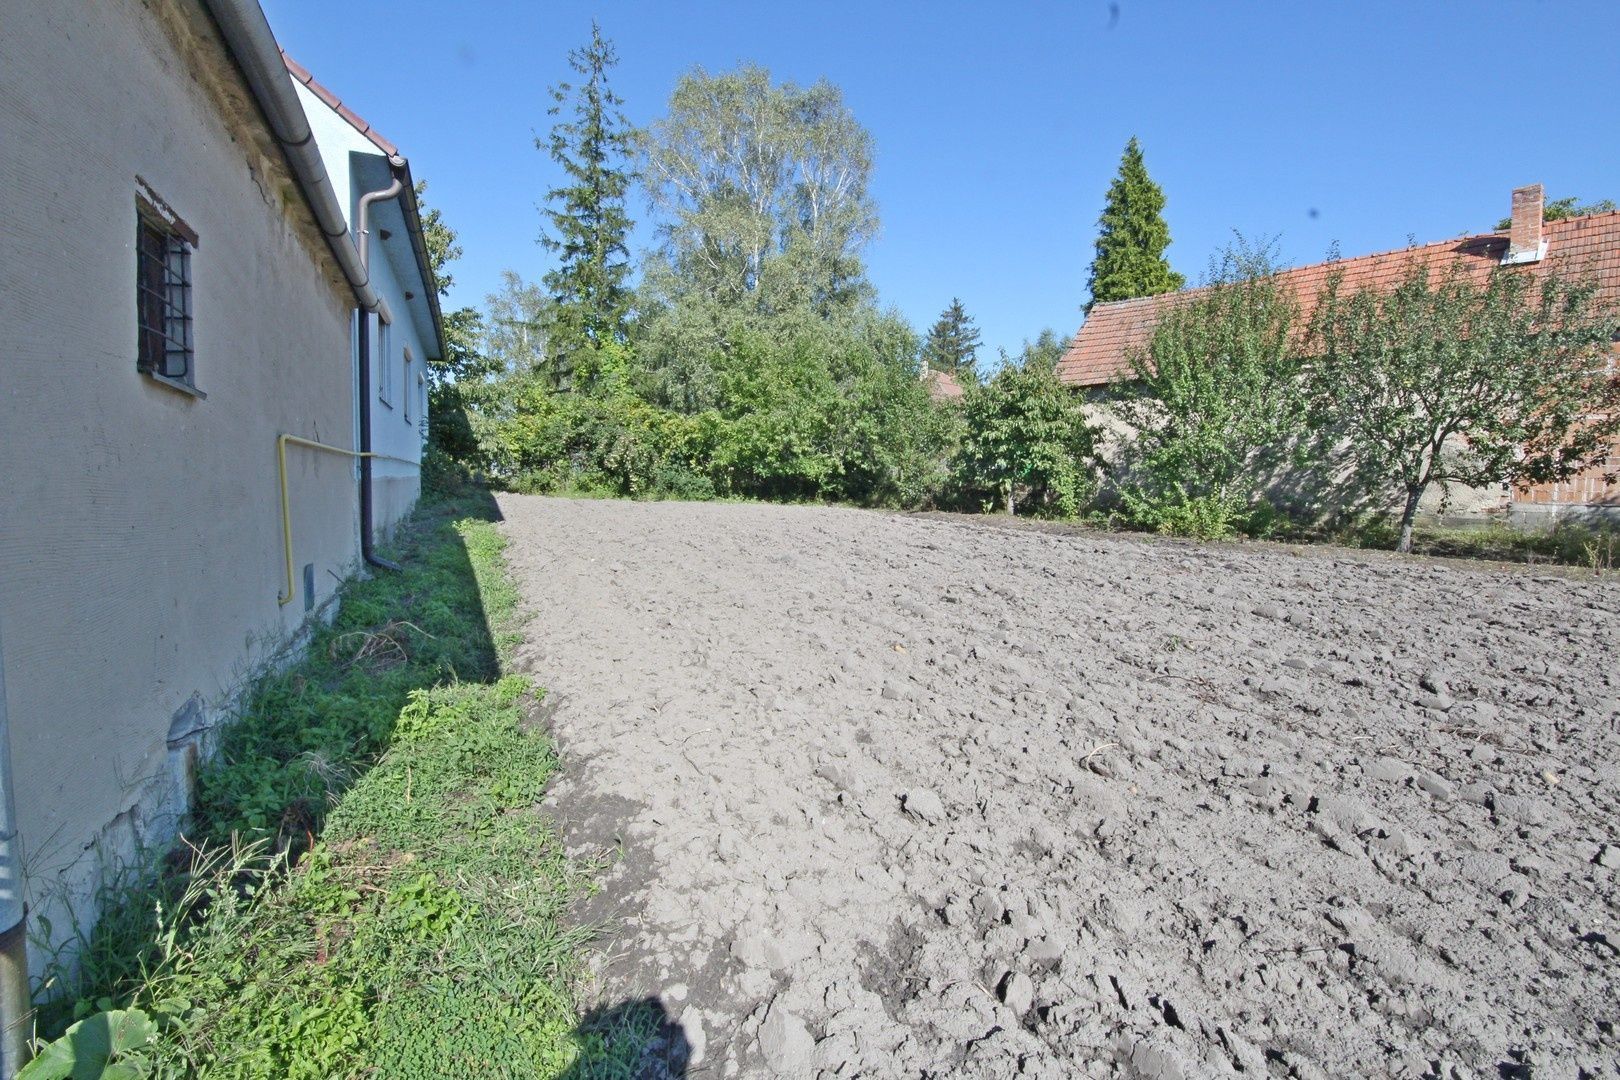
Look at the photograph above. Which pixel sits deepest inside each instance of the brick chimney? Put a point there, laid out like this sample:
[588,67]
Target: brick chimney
[1525,244]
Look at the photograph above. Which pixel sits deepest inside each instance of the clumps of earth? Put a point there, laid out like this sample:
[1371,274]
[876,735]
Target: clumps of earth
[888,795]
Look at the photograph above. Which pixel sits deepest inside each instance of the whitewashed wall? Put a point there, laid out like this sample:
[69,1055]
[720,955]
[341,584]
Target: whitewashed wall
[140,537]
[356,166]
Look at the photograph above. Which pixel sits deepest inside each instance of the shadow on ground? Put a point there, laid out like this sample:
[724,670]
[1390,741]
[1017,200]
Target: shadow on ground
[633,1038]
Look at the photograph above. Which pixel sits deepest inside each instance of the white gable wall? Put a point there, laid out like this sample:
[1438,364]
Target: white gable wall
[356,166]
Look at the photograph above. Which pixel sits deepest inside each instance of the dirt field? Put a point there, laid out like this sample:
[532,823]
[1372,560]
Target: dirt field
[905,796]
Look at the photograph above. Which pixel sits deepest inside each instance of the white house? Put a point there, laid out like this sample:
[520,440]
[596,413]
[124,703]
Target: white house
[182,295]
[402,337]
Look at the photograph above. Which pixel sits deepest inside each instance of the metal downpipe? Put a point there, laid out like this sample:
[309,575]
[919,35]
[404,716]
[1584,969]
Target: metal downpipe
[363,339]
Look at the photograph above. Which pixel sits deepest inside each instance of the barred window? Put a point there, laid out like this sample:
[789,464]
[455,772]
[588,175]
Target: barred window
[163,248]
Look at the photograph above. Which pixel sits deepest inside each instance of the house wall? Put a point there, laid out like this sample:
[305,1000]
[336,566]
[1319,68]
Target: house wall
[397,426]
[1328,489]
[140,532]
[1589,494]
[357,166]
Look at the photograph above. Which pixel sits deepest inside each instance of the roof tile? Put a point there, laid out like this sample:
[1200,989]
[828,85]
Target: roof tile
[1101,351]
[301,73]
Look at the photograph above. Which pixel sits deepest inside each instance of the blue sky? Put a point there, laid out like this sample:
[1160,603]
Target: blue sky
[998,126]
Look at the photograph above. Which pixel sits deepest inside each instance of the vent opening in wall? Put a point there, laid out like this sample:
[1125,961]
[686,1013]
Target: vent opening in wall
[309,586]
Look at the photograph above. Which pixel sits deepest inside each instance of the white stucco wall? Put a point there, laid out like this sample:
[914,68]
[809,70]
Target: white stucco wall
[140,536]
[398,426]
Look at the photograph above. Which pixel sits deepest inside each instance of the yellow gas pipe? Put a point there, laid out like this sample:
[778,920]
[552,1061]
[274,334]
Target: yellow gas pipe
[286,510]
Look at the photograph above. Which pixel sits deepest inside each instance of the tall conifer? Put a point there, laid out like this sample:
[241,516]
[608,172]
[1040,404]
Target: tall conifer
[588,224]
[1130,258]
[953,342]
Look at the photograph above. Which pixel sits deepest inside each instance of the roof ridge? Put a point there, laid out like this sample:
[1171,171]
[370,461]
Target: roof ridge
[1580,221]
[302,74]
[1464,238]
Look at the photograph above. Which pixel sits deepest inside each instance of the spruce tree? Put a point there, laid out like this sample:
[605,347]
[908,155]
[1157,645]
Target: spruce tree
[587,217]
[953,342]
[1130,258]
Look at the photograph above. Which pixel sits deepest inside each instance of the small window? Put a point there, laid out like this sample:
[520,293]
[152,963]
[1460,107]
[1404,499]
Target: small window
[385,369]
[165,348]
[409,390]
[422,402]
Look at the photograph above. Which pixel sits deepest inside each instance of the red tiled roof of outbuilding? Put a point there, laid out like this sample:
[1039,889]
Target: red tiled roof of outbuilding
[942,385]
[1101,352]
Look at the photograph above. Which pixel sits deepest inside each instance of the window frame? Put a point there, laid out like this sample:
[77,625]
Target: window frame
[405,386]
[385,369]
[422,402]
[164,291]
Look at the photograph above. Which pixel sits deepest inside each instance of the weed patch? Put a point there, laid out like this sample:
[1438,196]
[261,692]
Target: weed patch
[1592,545]
[368,887]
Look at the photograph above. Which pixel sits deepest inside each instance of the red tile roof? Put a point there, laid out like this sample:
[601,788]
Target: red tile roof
[1101,352]
[942,385]
[301,73]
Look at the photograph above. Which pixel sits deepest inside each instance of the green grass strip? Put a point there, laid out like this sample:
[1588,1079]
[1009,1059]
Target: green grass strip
[372,890]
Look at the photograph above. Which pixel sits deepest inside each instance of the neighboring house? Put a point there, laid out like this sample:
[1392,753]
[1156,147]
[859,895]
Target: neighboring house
[1101,354]
[942,385]
[179,288]
[406,334]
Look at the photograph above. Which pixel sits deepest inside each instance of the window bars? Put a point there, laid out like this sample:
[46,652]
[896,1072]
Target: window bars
[163,300]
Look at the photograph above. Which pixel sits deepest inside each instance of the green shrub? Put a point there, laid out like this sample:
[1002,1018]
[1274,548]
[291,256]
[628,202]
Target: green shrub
[815,413]
[1176,512]
[1026,442]
[1215,396]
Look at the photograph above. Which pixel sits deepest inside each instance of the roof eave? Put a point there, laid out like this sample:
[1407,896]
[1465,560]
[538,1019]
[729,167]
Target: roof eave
[408,204]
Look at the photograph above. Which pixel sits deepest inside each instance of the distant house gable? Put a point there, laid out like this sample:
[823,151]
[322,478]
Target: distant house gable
[942,385]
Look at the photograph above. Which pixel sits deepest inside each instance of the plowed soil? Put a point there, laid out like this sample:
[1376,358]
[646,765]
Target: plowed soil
[887,795]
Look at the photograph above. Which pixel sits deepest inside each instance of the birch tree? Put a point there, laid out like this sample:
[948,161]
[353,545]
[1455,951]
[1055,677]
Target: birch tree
[760,194]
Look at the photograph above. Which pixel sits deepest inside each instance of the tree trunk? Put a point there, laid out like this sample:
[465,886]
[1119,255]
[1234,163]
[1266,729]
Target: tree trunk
[1012,502]
[1408,516]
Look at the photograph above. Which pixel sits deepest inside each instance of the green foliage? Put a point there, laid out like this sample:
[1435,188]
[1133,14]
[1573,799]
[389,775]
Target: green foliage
[1026,440]
[1215,393]
[1176,511]
[761,192]
[516,329]
[462,359]
[450,429]
[759,366]
[587,222]
[1130,258]
[421,932]
[1591,545]
[105,1045]
[829,411]
[952,344]
[1448,379]
[1570,207]
[439,239]
[611,444]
